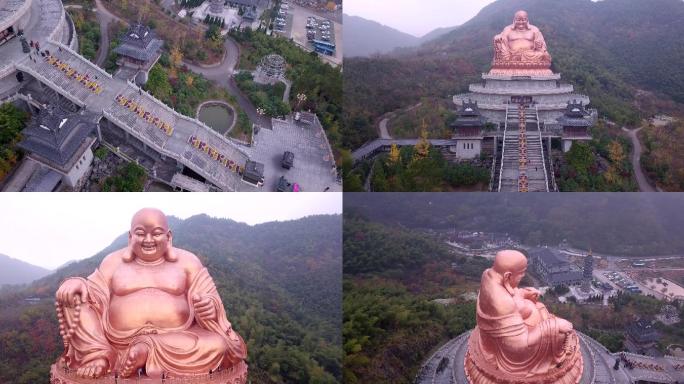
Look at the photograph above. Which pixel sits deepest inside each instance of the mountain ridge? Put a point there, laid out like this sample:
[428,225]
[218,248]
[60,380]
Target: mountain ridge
[15,271]
[365,37]
[280,283]
[624,54]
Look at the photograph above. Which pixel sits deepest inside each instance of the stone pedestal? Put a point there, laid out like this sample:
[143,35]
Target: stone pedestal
[478,369]
[234,375]
[521,68]
[548,95]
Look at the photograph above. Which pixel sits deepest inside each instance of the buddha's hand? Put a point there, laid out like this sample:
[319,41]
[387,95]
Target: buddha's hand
[72,290]
[531,294]
[564,326]
[204,307]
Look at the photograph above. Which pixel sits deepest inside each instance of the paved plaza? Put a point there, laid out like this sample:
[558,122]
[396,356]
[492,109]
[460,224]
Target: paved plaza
[445,366]
[314,166]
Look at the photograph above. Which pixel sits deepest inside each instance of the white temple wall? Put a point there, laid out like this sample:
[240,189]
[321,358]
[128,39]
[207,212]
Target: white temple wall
[79,169]
[467,149]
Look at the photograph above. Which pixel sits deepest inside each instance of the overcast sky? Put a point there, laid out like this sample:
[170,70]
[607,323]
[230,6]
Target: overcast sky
[416,17]
[49,229]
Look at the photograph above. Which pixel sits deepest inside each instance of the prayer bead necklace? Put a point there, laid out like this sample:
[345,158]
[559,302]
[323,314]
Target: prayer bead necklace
[68,333]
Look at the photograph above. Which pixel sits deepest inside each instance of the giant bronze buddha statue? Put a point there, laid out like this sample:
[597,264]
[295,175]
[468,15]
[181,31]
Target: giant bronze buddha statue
[516,339]
[520,50]
[149,310]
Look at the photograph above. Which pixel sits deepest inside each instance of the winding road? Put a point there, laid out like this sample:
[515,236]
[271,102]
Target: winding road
[223,73]
[382,126]
[644,185]
[104,17]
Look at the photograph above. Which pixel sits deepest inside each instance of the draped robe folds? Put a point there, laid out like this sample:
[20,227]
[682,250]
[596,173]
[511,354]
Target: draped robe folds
[499,340]
[538,54]
[195,347]
[498,336]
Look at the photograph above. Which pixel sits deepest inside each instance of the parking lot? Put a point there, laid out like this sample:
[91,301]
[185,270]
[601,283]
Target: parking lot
[282,22]
[299,30]
[620,281]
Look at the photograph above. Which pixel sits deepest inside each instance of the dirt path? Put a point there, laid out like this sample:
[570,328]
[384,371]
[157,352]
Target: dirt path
[644,185]
[382,126]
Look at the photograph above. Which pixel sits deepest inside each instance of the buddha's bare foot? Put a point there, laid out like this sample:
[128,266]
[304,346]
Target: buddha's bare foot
[137,356]
[94,369]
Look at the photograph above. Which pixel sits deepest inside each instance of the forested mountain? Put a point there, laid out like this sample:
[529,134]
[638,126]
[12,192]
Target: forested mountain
[391,276]
[366,37]
[279,281]
[13,271]
[624,54]
[611,223]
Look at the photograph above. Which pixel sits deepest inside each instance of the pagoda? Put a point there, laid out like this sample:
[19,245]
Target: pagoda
[60,141]
[467,131]
[138,50]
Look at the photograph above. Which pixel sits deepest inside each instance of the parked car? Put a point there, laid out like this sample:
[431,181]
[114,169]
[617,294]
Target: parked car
[288,160]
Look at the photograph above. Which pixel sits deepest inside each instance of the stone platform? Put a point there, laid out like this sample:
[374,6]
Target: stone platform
[446,365]
[495,94]
[235,375]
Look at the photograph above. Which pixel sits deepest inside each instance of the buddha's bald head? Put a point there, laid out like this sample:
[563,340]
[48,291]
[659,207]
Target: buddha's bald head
[150,216]
[510,261]
[511,266]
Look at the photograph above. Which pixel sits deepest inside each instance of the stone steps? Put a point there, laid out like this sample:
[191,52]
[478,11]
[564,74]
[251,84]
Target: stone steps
[511,171]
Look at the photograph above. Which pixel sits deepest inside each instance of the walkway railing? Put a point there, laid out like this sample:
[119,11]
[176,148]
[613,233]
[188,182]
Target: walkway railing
[541,143]
[176,156]
[186,118]
[93,66]
[49,82]
[503,150]
[327,143]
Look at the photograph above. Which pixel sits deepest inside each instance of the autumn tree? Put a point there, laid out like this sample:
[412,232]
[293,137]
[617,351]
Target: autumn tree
[616,154]
[176,57]
[422,148]
[394,154]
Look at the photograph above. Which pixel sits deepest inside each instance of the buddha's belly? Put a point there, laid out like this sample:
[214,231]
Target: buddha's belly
[519,45]
[149,306]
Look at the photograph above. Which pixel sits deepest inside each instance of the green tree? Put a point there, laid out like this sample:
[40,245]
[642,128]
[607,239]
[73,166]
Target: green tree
[158,83]
[379,181]
[213,33]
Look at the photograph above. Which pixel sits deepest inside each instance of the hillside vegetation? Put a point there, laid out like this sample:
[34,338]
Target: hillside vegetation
[616,51]
[279,282]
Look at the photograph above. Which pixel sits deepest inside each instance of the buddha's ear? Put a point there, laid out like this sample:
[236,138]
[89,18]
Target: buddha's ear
[127,254]
[507,282]
[170,251]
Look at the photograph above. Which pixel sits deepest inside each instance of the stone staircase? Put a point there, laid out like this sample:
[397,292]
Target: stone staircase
[522,167]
